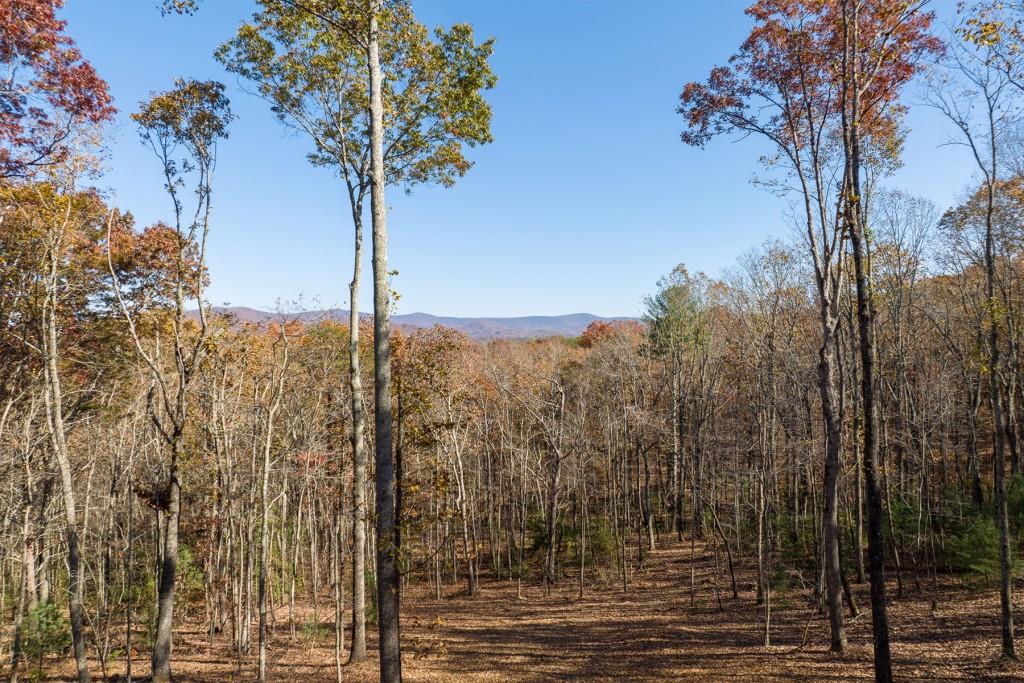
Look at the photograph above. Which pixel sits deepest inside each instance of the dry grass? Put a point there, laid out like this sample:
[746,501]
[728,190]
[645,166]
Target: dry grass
[650,633]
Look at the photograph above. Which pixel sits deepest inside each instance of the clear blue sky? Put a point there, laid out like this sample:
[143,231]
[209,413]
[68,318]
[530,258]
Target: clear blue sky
[583,201]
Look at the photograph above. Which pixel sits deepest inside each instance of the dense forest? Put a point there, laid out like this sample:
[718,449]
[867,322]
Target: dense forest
[815,458]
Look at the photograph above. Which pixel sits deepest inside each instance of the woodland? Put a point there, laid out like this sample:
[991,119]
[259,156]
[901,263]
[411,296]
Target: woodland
[809,467]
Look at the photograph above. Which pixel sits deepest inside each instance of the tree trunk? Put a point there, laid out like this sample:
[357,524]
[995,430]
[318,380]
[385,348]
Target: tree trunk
[853,216]
[161,659]
[53,400]
[995,397]
[276,390]
[830,517]
[355,380]
[387,561]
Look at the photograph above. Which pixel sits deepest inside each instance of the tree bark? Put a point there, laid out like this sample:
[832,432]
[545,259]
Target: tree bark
[358,651]
[853,216]
[387,560]
[830,517]
[53,400]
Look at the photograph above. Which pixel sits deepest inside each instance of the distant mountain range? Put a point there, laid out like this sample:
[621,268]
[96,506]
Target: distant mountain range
[526,327]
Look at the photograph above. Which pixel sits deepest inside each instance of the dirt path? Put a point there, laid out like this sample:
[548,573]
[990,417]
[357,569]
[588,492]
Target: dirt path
[650,633]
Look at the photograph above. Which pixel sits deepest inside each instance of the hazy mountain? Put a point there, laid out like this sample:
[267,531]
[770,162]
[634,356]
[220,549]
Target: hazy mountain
[526,327]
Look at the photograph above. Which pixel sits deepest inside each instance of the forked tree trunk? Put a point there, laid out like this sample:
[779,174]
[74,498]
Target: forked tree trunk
[53,399]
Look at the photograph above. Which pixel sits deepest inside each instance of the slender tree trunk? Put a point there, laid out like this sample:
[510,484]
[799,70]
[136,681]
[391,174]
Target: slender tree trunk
[387,561]
[358,651]
[27,588]
[974,461]
[53,400]
[551,519]
[995,397]
[853,215]
[276,390]
[161,659]
[129,576]
[858,526]
[261,674]
[337,570]
[679,444]
[830,517]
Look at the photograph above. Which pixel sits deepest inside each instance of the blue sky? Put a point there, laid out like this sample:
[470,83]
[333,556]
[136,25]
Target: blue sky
[583,201]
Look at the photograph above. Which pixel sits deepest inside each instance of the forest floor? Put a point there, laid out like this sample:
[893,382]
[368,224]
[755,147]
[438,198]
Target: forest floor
[943,632]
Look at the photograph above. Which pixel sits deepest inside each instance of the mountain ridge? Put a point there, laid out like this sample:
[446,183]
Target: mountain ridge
[478,327]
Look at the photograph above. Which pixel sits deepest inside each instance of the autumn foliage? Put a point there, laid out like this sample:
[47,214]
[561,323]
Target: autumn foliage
[52,90]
